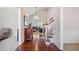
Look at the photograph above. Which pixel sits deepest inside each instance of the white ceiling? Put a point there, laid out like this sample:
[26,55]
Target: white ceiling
[32,10]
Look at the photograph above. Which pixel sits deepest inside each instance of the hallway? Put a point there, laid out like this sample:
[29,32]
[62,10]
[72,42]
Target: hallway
[44,21]
[36,45]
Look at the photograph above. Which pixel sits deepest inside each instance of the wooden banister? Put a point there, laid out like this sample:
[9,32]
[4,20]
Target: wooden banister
[49,21]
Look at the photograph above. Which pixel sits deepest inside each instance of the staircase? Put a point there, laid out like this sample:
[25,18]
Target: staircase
[47,34]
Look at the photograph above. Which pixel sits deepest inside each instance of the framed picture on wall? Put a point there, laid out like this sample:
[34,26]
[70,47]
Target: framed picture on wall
[25,20]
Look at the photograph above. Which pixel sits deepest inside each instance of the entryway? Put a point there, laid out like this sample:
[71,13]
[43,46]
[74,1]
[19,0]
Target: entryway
[44,32]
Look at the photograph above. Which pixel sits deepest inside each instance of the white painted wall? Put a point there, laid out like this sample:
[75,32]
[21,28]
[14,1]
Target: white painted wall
[71,24]
[1,17]
[9,18]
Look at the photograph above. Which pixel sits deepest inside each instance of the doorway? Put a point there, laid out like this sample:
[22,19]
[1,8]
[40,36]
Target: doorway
[38,17]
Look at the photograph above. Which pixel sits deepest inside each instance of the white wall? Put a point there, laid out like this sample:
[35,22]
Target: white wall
[71,24]
[1,17]
[10,19]
[55,26]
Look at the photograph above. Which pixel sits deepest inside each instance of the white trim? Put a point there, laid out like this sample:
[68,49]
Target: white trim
[72,41]
[61,28]
[19,24]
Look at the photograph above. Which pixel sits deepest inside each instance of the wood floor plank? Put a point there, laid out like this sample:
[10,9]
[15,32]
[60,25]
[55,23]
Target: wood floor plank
[71,46]
[36,45]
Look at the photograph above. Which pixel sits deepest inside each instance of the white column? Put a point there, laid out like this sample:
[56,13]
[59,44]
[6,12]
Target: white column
[61,28]
[19,24]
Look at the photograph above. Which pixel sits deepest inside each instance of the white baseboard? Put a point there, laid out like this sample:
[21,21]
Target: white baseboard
[71,41]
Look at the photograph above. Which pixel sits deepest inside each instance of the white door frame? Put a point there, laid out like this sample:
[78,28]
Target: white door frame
[19,24]
[61,28]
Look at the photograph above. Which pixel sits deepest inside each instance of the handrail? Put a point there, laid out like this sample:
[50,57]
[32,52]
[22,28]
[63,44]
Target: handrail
[49,21]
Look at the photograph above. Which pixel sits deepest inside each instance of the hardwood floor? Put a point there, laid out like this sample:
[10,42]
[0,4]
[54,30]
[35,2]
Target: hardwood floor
[36,45]
[71,46]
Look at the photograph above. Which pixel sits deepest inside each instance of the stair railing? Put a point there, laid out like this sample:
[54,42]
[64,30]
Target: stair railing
[46,24]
